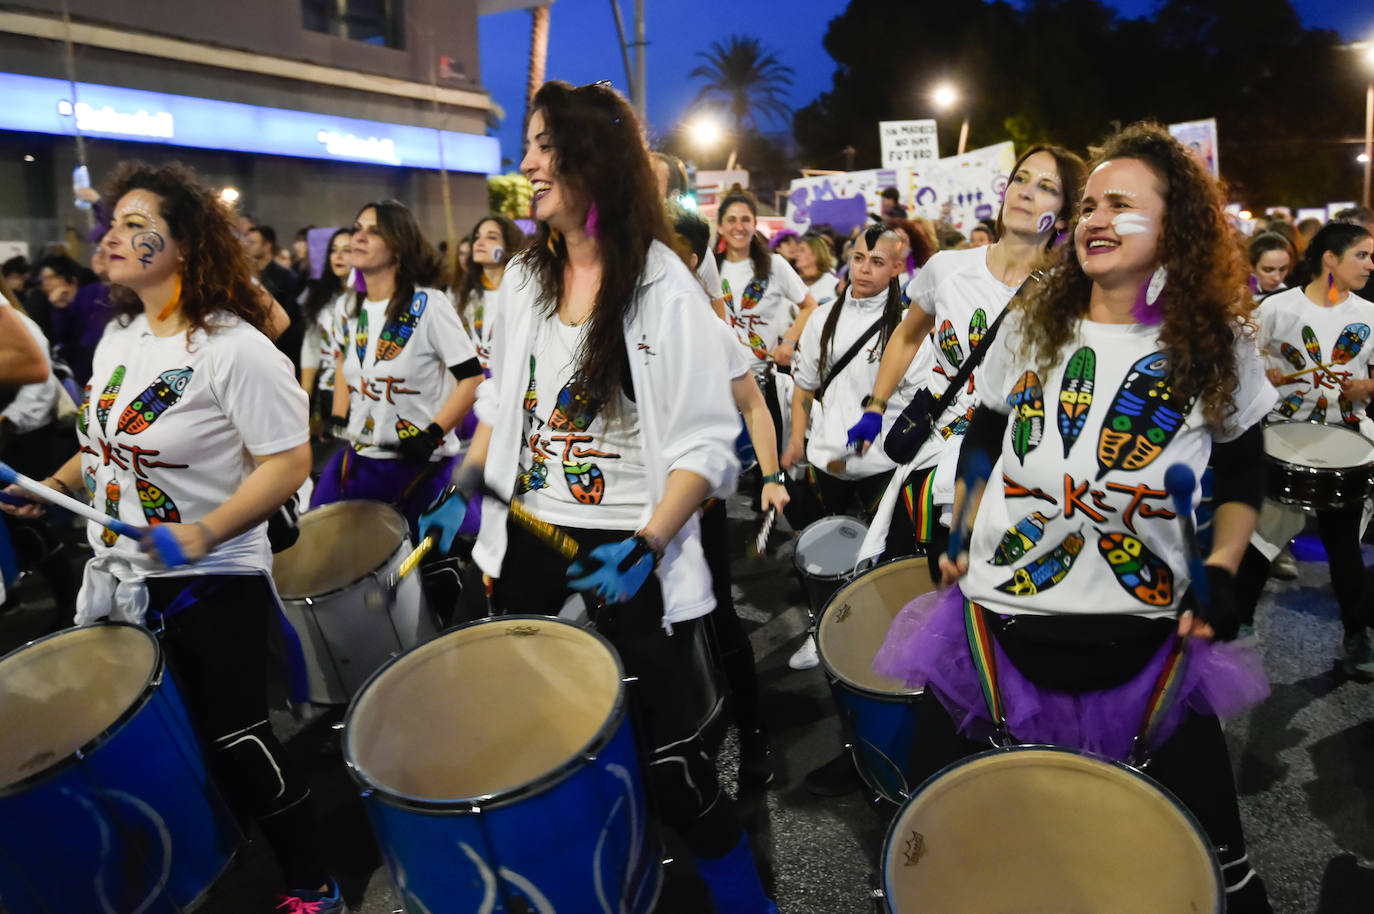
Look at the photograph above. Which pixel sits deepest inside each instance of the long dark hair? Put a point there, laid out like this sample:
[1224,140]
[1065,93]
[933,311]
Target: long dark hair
[599,154]
[416,261]
[1206,293]
[1336,237]
[1073,174]
[215,276]
[327,287]
[471,288]
[758,251]
[892,311]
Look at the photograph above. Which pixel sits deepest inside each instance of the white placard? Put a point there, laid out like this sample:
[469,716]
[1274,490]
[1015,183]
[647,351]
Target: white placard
[908,144]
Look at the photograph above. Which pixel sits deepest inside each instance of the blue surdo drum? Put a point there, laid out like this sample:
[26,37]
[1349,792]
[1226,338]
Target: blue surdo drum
[878,712]
[499,771]
[1035,828]
[105,803]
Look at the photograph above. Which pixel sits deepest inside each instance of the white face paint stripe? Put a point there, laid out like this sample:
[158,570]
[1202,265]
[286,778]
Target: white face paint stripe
[1131,223]
[1118,192]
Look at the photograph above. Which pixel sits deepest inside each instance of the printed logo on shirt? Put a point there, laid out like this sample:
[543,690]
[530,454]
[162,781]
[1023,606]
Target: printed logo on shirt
[108,395]
[1076,395]
[1027,400]
[156,399]
[1139,571]
[1143,418]
[108,536]
[396,333]
[360,336]
[82,420]
[157,507]
[1044,573]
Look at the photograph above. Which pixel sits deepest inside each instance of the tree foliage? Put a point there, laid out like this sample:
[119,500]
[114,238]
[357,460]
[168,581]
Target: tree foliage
[747,77]
[1285,97]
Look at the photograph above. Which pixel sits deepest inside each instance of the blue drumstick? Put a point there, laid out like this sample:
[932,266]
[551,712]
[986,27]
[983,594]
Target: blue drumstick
[1180,482]
[977,468]
[163,541]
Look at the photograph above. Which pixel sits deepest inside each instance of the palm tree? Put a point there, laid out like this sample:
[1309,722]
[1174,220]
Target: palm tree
[748,77]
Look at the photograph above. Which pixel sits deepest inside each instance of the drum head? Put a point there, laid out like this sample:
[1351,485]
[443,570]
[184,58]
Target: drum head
[62,692]
[484,710]
[857,618]
[829,547]
[339,544]
[1313,445]
[1035,830]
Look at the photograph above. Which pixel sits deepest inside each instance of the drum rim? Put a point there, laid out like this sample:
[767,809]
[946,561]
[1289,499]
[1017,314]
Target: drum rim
[145,695]
[896,697]
[796,556]
[1133,771]
[400,548]
[471,805]
[1321,471]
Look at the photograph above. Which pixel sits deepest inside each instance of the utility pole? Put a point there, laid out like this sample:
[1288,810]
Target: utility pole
[639,90]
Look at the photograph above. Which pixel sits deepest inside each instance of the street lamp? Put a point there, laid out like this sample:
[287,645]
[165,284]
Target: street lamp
[706,133]
[946,96]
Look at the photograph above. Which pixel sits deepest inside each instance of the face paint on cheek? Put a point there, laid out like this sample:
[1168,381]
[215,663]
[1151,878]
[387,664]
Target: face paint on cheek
[149,244]
[1131,224]
[1045,222]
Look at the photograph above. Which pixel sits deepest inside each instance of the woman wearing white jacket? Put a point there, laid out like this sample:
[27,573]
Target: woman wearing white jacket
[608,413]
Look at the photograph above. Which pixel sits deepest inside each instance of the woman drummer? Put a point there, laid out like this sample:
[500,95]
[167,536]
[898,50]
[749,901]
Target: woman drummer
[1130,357]
[1315,338]
[608,412]
[195,421]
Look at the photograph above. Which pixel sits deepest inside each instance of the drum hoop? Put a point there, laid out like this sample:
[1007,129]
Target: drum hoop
[839,576]
[462,806]
[400,550]
[895,697]
[897,821]
[1367,466]
[145,695]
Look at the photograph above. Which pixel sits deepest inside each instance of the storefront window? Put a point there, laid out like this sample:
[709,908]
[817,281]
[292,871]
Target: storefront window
[374,21]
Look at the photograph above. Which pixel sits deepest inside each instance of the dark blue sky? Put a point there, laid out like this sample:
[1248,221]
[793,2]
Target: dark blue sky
[583,46]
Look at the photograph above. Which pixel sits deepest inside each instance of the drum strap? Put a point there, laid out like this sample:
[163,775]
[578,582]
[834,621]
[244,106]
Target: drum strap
[1162,698]
[985,662]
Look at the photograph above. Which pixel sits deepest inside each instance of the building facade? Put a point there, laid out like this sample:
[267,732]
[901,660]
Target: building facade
[306,108]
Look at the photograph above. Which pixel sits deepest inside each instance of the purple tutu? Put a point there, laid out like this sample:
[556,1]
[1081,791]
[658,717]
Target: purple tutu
[927,647]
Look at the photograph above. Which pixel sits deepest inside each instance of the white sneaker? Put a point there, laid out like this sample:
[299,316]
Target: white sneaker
[806,657]
[1284,567]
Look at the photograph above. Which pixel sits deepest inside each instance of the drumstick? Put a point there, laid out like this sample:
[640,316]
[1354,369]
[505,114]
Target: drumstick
[545,532]
[1297,375]
[1179,482]
[163,541]
[759,546]
[976,472]
[383,596]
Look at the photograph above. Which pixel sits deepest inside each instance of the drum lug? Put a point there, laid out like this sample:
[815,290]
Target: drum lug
[628,680]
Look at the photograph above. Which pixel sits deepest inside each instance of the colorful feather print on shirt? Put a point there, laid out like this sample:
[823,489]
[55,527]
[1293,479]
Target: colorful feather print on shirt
[360,335]
[157,507]
[156,399]
[1139,571]
[82,420]
[1314,349]
[1076,395]
[1021,538]
[1288,406]
[107,396]
[948,342]
[1027,402]
[108,536]
[1347,411]
[1349,343]
[396,333]
[1318,413]
[1142,420]
[977,326]
[575,410]
[1044,573]
[1294,357]
[753,294]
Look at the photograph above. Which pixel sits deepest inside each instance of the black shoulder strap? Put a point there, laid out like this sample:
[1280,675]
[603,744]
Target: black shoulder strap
[848,356]
[962,375]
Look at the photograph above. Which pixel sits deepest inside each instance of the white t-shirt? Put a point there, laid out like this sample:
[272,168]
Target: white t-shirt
[757,308]
[478,322]
[831,419]
[403,371]
[709,274]
[577,468]
[35,405]
[960,291]
[824,290]
[1297,335]
[1075,518]
[319,347]
[170,431]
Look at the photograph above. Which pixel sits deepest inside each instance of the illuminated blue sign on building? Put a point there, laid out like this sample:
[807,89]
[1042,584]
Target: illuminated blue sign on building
[33,104]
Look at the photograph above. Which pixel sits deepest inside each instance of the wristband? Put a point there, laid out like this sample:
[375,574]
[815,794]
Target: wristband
[790,342]
[870,400]
[778,478]
[649,543]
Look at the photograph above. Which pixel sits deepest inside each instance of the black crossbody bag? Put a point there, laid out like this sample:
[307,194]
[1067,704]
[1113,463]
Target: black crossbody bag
[917,421]
[848,357]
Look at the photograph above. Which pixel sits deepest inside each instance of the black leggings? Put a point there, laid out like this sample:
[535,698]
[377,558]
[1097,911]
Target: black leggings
[1340,536]
[217,649]
[736,652]
[682,776]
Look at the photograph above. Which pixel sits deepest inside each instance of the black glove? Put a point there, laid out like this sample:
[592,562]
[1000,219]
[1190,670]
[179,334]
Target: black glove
[419,445]
[336,426]
[1220,613]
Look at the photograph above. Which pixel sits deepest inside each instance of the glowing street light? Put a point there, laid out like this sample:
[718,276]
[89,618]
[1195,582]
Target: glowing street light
[946,96]
[229,195]
[705,131]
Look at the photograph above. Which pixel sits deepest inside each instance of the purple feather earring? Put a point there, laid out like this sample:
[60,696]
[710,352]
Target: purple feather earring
[1145,310]
[593,226]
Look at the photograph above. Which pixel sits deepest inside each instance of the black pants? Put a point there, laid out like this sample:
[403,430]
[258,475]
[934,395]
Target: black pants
[1193,763]
[682,777]
[732,642]
[1340,536]
[217,649]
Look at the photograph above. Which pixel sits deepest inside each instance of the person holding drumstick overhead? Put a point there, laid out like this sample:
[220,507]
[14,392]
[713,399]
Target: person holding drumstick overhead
[195,421]
[609,414]
[1132,356]
[1316,341]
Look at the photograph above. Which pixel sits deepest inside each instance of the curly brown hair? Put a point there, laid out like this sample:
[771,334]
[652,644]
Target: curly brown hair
[215,275]
[1205,300]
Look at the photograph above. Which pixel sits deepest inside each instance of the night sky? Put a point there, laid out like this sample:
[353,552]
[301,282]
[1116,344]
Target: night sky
[583,46]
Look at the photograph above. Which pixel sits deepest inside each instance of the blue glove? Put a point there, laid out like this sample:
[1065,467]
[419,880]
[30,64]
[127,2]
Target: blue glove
[621,569]
[866,430]
[442,519]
